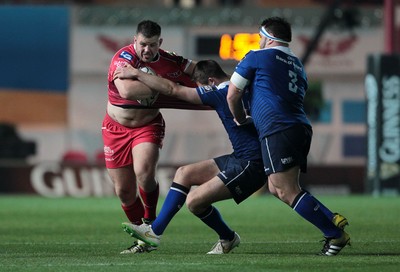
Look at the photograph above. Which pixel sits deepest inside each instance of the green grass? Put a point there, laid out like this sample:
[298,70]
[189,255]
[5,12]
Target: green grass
[42,234]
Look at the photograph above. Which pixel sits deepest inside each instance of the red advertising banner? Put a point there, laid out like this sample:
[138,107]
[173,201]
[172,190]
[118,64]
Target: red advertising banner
[53,179]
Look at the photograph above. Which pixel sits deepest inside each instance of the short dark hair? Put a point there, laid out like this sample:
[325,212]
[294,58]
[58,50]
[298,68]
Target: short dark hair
[148,29]
[205,69]
[278,27]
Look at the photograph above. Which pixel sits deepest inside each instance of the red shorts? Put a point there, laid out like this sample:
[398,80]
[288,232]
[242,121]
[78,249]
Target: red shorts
[119,140]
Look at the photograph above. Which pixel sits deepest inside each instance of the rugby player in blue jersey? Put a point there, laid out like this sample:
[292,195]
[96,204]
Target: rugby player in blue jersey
[277,83]
[237,175]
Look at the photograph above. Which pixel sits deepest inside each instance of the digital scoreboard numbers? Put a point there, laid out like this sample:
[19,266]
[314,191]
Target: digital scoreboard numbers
[227,46]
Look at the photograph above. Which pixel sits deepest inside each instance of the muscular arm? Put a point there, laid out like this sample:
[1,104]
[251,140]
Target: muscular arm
[162,85]
[132,89]
[234,99]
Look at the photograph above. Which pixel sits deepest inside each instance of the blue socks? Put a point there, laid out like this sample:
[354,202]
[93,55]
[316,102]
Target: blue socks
[316,213]
[174,201]
[212,218]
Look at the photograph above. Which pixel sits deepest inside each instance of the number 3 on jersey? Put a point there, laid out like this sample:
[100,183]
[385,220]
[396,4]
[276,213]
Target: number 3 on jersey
[292,82]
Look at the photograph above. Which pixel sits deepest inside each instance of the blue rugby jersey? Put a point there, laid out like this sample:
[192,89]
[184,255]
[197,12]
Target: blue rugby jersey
[278,83]
[244,139]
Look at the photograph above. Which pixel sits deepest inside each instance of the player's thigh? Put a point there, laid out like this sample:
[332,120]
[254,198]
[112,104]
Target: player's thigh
[196,173]
[287,179]
[123,179]
[286,184]
[209,192]
[145,157]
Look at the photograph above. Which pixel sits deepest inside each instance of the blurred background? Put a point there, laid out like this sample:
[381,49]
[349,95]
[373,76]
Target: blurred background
[54,58]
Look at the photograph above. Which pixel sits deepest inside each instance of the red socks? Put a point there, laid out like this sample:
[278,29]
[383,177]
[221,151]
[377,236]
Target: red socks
[134,212]
[150,200]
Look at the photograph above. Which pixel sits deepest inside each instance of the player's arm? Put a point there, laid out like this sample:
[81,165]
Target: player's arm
[234,98]
[132,89]
[162,85]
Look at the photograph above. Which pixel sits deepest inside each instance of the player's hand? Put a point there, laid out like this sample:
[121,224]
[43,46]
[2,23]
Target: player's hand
[248,121]
[126,71]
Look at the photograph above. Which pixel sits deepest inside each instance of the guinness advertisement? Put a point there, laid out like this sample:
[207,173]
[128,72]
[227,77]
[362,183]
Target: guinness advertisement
[52,179]
[57,179]
[382,87]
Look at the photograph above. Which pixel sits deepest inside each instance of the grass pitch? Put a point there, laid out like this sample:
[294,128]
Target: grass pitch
[69,234]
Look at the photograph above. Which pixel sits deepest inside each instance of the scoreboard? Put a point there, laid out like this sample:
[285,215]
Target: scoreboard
[223,45]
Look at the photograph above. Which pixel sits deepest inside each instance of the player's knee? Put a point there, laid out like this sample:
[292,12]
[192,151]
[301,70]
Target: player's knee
[125,194]
[181,173]
[272,190]
[192,203]
[287,196]
[280,193]
[145,176]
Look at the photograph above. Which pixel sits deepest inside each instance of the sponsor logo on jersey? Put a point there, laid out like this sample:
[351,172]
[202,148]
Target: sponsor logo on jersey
[119,63]
[206,89]
[126,55]
[174,74]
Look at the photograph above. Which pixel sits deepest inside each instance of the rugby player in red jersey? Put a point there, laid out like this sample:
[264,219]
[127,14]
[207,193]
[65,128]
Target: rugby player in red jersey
[133,127]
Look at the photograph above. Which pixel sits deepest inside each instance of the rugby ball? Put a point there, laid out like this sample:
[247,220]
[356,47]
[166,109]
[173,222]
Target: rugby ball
[147,70]
[150,100]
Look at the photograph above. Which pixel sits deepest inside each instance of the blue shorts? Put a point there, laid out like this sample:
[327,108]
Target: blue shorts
[242,178]
[286,149]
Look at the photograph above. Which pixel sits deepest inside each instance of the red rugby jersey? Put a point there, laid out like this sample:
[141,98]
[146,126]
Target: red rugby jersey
[167,65]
